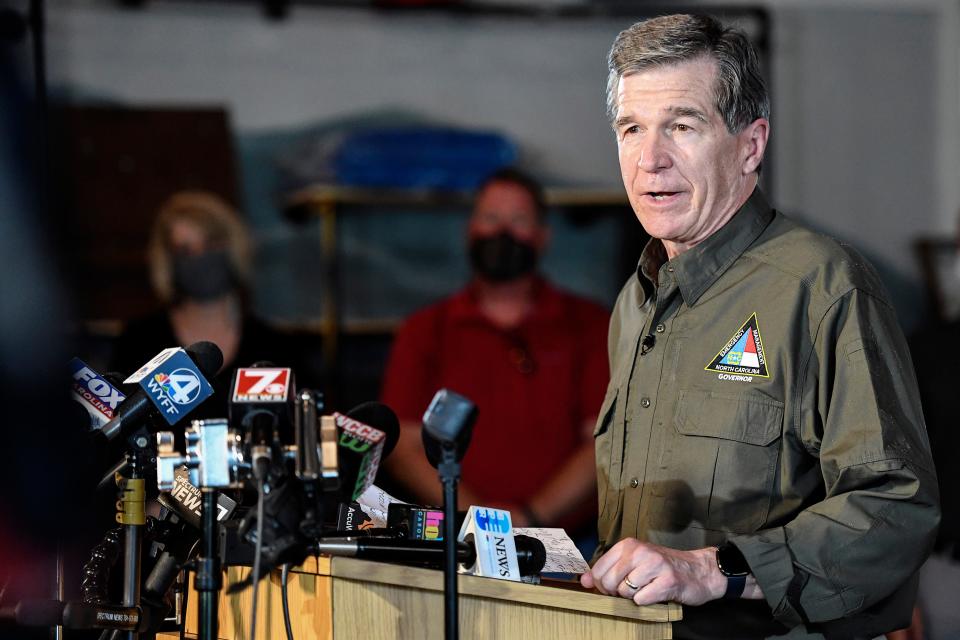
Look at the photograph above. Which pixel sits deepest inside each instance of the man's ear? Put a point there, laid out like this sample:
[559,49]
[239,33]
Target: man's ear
[753,142]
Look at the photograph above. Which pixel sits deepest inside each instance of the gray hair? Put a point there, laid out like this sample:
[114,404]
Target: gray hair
[741,92]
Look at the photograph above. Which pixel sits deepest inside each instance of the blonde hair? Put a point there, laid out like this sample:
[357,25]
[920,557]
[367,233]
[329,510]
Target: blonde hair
[220,223]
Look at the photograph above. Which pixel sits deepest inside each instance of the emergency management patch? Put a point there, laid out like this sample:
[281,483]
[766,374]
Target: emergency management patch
[743,354]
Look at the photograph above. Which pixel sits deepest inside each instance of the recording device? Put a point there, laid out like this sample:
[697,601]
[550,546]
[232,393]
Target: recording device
[415,522]
[352,519]
[531,554]
[172,384]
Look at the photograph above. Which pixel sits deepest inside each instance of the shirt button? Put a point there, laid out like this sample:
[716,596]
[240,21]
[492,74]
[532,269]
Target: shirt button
[670,269]
[645,402]
[661,328]
[634,483]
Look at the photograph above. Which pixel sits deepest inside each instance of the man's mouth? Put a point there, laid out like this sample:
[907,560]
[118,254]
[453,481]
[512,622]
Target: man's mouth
[659,196]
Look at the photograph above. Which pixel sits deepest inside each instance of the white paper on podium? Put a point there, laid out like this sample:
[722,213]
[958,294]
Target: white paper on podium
[374,502]
[562,554]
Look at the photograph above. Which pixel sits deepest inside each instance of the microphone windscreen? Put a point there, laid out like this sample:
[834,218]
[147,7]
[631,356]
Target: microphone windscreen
[534,562]
[434,449]
[207,355]
[379,416]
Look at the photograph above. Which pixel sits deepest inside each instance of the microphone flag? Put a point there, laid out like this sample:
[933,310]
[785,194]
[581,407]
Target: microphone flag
[492,533]
[173,383]
[94,393]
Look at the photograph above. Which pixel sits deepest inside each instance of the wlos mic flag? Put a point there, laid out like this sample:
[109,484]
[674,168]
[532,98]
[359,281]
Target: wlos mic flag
[173,383]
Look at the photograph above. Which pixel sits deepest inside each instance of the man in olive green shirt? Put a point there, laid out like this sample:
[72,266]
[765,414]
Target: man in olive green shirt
[761,448]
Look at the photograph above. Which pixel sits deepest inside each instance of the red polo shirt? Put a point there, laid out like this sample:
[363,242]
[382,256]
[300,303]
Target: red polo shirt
[534,385]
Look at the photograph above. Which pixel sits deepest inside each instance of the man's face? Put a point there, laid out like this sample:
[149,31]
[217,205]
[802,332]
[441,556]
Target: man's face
[685,173]
[505,206]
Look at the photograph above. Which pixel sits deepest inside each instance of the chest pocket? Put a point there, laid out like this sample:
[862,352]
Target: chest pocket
[727,444]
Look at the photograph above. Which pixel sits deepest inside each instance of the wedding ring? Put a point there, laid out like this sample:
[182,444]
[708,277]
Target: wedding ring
[627,582]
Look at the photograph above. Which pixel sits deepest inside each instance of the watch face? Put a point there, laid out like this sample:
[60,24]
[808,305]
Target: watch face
[730,561]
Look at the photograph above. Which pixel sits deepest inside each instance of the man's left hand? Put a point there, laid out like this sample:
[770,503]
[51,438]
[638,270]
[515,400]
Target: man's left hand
[658,573]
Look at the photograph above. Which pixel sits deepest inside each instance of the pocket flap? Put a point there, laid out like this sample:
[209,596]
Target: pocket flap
[606,411]
[753,419]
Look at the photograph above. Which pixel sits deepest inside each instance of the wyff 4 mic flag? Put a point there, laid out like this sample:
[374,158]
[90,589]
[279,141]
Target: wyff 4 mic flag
[173,382]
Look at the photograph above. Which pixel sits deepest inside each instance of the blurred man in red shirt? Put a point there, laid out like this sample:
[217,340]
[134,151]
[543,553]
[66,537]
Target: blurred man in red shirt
[530,356]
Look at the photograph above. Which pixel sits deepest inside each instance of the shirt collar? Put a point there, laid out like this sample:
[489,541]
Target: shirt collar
[697,269]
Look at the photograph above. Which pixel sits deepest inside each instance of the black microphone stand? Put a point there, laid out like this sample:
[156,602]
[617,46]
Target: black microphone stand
[449,469]
[131,514]
[447,425]
[209,579]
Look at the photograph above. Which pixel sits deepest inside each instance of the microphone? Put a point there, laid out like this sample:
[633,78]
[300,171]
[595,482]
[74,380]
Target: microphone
[531,554]
[171,385]
[94,393]
[262,403]
[81,615]
[288,509]
[447,424]
[647,343]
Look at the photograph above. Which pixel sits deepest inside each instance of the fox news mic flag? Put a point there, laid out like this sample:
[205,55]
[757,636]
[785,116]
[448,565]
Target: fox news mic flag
[94,393]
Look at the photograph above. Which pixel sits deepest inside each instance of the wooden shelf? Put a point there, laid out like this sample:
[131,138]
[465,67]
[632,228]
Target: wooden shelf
[322,198]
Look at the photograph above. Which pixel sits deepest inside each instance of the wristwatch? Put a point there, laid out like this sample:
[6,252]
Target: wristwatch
[734,566]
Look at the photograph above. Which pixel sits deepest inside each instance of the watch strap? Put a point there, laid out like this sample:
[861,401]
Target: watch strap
[735,587]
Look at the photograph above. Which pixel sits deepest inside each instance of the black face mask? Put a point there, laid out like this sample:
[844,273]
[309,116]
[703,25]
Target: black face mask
[205,276]
[502,258]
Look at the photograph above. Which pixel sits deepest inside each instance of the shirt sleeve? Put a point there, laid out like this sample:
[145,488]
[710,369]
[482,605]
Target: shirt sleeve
[860,420]
[410,376]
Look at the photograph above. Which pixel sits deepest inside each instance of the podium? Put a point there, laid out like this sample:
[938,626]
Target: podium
[345,598]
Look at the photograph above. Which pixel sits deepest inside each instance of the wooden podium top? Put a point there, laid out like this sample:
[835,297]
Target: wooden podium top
[555,594]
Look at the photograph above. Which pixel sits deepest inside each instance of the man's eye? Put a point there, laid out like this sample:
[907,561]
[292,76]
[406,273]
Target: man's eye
[679,126]
[632,129]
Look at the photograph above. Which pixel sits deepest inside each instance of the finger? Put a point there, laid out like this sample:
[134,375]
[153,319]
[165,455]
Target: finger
[599,573]
[630,564]
[628,587]
[656,591]
[586,579]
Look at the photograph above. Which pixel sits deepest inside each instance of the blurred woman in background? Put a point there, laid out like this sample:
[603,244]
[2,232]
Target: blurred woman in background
[199,256]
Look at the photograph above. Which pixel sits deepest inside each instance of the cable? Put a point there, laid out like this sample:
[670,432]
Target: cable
[284,578]
[96,572]
[261,485]
[185,594]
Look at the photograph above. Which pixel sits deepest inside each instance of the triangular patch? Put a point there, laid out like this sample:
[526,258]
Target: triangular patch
[743,353]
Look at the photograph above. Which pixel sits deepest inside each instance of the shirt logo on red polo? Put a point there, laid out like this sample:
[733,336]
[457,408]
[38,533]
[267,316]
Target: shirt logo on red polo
[743,354]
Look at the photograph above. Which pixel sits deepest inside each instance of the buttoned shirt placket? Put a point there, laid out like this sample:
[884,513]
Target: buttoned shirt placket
[640,411]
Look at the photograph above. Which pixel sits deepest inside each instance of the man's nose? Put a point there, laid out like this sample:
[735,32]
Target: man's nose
[654,154]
